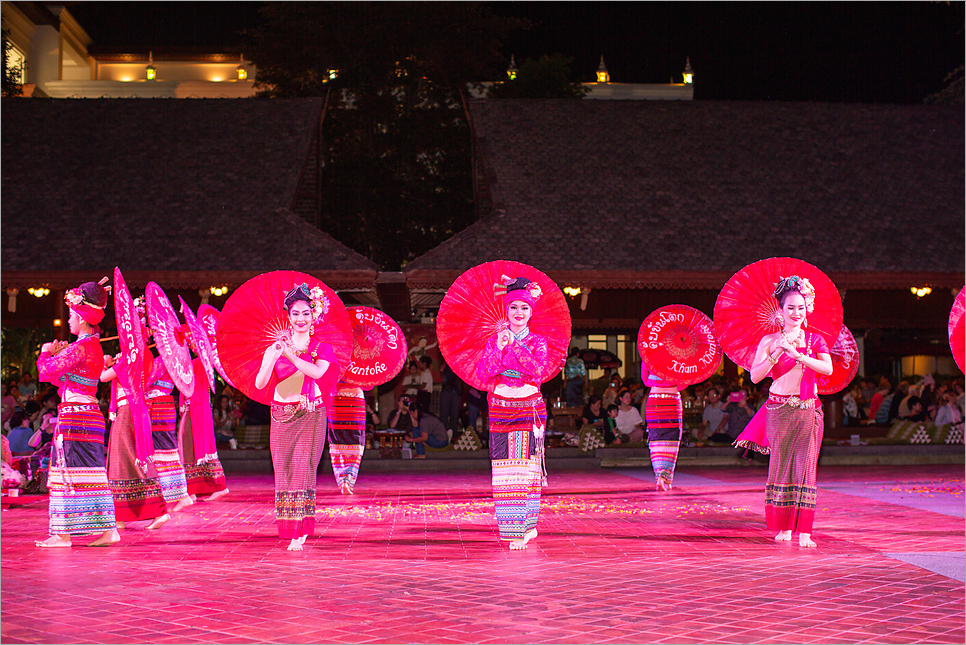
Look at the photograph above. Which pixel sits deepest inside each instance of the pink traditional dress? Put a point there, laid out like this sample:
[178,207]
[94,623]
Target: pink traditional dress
[134,482]
[347,434]
[790,429]
[297,441]
[164,433]
[80,496]
[513,376]
[196,440]
[663,416]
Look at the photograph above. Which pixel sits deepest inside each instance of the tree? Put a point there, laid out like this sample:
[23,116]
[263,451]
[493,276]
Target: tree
[954,92]
[397,167]
[545,78]
[12,73]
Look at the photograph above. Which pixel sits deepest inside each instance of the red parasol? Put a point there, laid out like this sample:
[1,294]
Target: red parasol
[129,334]
[133,368]
[253,319]
[677,344]
[201,344]
[845,364]
[956,340]
[170,340]
[208,316]
[472,312]
[378,348]
[745,310]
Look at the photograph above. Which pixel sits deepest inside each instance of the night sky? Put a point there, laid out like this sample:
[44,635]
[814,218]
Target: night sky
[893,52]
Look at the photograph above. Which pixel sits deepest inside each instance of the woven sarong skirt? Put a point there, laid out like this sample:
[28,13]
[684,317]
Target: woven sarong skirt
[516,468]
[167,461]
[795,437]
[137,494]
[347,438]
[80,496]
[297,441]
[202,479]
[663,416]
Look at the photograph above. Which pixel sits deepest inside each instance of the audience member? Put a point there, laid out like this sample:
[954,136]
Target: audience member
[610,394]
[884,388]
[431,432]
[949,412]
[8,404]
[404,417]
[412,383]
[737,414]
[630,424]
[424,397]
[594,412]
[610,427]
[449,398]
[28,387]
[225,420]
[713,416]
[475,401]
[575,376]
[20,432]
[912,392]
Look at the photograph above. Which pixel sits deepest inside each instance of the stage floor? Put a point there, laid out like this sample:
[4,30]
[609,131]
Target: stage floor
[414,558]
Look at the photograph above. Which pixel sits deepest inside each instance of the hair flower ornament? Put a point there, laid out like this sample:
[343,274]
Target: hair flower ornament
[320,302]
[799,284]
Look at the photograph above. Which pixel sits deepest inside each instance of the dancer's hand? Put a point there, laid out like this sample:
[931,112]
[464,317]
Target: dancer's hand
[503,339]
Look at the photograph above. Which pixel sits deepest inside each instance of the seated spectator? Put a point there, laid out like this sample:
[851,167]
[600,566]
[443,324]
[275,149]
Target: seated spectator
[949,413]
[28,387]
[431,432]
[916,412]
[12,400]
[225,420]
[737,414]
[594,412]
[712,419]
[850,406]
[610,427]
[20,432]
[885,405]
[610,394]
[404,417]
[8,404]
[900,395]
[424,396]
[884,388]
[630,425]
[904,411]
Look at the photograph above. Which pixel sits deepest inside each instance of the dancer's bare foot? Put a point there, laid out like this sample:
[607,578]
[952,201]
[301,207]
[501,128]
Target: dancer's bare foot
[346,488]
[53,541]
[184,503]
[194,498]
[120,525]
[519,545]
[805,540]
[784,536]
[107,538]
[302,539]
[215,496]
[159,522]
[295,545]
[662,484]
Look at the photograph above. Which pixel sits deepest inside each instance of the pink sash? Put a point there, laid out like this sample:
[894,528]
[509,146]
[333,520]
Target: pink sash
[754,436]
[143,442]
[327,383]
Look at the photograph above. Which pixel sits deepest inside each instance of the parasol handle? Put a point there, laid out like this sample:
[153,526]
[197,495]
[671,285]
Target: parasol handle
[104,340]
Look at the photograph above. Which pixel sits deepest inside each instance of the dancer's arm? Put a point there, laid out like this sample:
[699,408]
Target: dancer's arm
[269,358]
[765,358]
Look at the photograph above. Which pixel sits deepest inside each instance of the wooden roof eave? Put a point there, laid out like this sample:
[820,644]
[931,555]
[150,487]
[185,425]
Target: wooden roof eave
[435,279]
[338,280]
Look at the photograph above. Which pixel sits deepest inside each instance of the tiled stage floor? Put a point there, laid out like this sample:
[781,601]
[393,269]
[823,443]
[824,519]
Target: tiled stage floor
[415,558]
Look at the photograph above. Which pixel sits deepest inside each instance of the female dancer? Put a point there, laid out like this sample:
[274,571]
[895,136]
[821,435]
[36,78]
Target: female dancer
[347,435]
[135,486]
[164,431]
[304,372]
[512,367]
[663,413]
[196,439]
[794,421]
[80,496]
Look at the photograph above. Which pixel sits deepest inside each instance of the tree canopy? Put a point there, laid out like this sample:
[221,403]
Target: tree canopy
[548,77]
